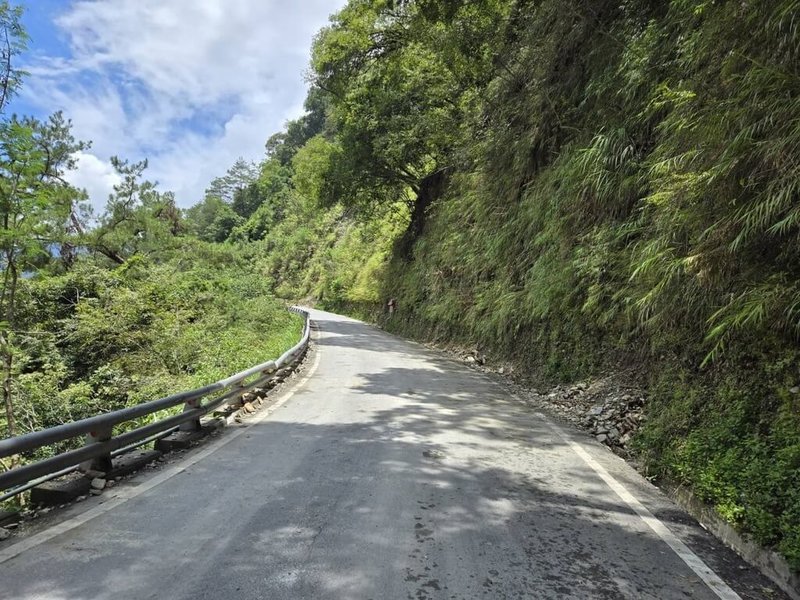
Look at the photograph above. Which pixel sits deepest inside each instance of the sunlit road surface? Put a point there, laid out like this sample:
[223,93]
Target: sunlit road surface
[387,472]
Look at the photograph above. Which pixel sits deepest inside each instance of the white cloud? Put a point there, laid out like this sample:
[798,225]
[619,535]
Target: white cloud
[189,84]
[96,176]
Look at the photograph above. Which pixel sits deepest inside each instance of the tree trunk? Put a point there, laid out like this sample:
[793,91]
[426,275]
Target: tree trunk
[8,358]
[430,189]
[8,399]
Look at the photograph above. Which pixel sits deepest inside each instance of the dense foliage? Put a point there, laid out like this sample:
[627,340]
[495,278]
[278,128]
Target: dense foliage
[98,339]
[580,187]
[107,311]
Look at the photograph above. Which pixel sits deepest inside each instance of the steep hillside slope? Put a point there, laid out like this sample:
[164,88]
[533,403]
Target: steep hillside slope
[634,199]
[578,187]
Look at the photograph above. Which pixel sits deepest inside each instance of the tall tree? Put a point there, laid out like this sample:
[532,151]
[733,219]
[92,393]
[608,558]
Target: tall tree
[138,218]
[237,178]
[35,202]
[402,78]
[284,145]
[13,40]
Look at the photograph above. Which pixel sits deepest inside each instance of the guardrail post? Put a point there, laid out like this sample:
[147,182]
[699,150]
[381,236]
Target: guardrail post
[103,462]
[243,387]
[194,424]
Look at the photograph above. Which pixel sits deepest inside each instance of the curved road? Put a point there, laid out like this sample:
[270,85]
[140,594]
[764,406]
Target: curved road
[388,472]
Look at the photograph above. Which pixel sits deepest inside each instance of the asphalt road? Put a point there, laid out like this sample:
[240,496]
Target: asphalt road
[388,472]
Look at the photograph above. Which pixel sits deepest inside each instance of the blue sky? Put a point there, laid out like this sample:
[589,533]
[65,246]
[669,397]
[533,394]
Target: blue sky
[191,85]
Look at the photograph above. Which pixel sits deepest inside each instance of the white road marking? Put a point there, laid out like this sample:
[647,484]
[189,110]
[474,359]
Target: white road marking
[695,563]
[128,493]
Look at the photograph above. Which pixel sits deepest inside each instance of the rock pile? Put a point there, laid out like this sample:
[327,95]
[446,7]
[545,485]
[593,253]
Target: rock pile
[608,409]
[611,408]
[475,357]
[616,420]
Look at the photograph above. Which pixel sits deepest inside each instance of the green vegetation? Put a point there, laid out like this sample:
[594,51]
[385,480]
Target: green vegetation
[97,339]
[576,186]
[107,311]
[579,187]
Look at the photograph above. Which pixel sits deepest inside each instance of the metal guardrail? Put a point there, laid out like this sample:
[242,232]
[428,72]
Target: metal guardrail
[100,442]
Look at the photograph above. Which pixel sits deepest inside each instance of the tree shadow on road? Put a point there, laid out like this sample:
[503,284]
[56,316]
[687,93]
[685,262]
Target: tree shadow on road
[443,488]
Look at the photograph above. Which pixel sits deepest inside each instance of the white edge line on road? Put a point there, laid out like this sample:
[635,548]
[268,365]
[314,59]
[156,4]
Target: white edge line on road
[695,563]
[129,493]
